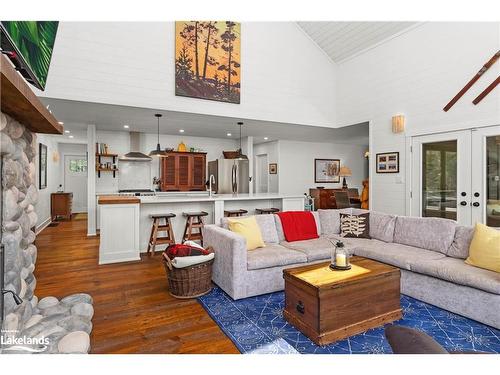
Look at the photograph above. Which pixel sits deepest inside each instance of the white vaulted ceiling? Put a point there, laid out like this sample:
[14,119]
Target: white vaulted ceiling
[341,40]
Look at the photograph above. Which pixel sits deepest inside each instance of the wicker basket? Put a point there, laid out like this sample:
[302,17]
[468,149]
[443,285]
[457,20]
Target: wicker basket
[189,282]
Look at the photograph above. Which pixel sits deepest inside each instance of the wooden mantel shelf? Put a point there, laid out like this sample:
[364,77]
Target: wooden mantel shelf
[20,102]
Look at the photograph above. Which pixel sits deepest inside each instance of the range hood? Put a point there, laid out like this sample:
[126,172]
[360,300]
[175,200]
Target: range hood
[135,146]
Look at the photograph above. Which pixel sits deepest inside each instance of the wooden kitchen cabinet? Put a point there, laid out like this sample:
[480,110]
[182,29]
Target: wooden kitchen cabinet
[61,204]
[183,171]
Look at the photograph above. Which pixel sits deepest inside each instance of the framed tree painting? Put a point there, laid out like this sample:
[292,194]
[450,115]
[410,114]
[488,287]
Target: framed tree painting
[42,166]
[207,60]
[387,162]
[326,170]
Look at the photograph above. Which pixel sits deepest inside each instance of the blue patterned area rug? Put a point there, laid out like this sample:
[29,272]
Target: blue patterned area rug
[256,325]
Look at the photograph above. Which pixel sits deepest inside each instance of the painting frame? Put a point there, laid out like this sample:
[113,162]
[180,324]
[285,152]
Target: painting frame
[320,176]
[273,168]
[42,166]
[208,60]
[387,162]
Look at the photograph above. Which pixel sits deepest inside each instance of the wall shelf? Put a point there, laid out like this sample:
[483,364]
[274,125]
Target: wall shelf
[20,102]
[104,169]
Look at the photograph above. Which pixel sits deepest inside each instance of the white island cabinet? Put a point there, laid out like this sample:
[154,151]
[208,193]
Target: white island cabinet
[126,221]
[119,233]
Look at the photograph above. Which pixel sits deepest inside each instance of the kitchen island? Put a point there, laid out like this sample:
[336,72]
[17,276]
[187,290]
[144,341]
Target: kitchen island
[214,205]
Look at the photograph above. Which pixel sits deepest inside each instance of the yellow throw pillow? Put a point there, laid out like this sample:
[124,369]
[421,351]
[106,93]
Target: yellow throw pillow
[484,250]
[249,229]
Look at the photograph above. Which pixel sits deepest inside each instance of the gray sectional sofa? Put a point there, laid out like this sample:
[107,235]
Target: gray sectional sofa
[430,253]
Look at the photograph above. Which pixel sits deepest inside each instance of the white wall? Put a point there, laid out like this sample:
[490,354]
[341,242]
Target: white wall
[284,76]
[42,208]
[416,74]
[296,164]
[119,142]
[272,151]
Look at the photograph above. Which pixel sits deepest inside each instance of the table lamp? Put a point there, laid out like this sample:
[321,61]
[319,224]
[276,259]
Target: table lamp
[345,172]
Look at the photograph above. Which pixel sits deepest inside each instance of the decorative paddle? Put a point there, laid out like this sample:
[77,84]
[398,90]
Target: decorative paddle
[481,71]
[487,90]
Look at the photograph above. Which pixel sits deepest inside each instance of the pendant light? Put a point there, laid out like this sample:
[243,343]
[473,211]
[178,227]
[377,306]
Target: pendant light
[158,151]
[241,156]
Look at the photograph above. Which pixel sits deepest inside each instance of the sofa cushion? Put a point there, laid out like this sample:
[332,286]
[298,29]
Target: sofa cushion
[266,224]
[398,255]
[382,226]
[279,227]
[457,271]
[273,255]
[429,233]
[316,249]
[461,242]
[330,221]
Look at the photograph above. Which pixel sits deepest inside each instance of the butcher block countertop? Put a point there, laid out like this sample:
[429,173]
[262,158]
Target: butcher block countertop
[118,200]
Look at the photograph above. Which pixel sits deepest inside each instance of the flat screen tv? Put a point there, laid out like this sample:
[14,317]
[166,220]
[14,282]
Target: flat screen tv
[29,45]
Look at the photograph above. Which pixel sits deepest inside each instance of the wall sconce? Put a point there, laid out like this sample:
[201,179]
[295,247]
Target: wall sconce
[367,154]
[398,124]
[55,157]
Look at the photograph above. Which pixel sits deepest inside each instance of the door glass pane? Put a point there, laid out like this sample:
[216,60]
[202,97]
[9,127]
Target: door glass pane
[78,165]
[493,181]
[439,179]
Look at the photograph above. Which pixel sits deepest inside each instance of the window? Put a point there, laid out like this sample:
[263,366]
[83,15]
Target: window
[78,165]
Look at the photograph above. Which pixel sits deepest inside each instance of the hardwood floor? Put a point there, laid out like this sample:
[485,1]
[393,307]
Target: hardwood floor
[133,311]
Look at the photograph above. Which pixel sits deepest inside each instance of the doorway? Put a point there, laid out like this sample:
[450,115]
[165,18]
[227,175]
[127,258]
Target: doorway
[261,174]
[456,175]
[75,180]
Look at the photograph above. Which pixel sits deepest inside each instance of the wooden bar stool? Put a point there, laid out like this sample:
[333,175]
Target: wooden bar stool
[154,239]
[234,213]
[261,211]
[194,220]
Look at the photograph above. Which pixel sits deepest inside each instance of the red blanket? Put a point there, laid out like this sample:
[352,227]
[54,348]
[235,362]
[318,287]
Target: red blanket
[298,225]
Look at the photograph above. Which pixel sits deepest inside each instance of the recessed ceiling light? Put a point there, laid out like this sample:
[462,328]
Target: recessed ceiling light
[181,130]
[228,134]
[126,126]
[265,138]
[67,131]
[71,136]
[60,123]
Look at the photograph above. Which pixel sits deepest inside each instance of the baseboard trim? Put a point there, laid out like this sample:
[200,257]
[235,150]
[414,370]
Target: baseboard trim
[43,225]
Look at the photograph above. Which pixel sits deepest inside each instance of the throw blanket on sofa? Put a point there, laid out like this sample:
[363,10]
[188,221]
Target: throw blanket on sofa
[298,225]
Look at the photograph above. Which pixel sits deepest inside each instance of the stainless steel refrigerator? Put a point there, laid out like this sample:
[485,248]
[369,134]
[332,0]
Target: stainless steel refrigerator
[231,176]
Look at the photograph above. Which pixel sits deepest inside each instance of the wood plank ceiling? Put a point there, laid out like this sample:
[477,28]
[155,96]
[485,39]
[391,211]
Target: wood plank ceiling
[341,40]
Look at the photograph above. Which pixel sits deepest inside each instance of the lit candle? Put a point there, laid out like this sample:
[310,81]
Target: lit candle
[340,260]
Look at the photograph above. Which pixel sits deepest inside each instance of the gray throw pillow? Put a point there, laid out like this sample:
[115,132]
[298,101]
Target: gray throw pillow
[355,226]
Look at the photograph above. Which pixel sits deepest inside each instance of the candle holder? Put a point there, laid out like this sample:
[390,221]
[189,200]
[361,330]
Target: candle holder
[339,257]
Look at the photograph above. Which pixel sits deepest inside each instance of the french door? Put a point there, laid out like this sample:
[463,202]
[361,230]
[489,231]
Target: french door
[456,175]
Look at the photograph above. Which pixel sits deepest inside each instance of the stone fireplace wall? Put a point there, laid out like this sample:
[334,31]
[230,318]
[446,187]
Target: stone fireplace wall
[64,325]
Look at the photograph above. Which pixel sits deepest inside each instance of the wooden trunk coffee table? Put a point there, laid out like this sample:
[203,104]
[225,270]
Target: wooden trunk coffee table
[328,305]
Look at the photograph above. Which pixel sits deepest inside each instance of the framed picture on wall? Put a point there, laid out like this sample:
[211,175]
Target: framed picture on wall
[387,162]
[273,168]
[42,166]
[326,170]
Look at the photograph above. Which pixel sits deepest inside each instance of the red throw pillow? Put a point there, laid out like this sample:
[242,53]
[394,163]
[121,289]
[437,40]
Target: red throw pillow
[179,250]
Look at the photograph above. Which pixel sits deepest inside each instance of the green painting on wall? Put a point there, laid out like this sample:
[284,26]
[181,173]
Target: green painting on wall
[34,42]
